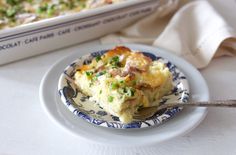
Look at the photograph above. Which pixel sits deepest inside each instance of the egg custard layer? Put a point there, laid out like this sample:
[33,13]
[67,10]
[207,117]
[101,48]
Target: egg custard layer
[121,81]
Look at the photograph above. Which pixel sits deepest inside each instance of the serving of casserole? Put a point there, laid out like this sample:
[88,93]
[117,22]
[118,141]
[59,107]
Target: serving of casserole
[121,81]
[108,84]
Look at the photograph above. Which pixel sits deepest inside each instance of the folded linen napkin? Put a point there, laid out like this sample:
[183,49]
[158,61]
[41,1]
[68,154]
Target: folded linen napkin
[195,32]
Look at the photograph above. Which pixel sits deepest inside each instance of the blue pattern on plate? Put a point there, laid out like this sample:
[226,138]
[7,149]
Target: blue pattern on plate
[88,110]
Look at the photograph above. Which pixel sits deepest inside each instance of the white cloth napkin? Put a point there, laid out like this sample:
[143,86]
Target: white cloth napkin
[195,32]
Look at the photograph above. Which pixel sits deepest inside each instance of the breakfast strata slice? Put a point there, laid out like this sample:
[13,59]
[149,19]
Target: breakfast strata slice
[121,81]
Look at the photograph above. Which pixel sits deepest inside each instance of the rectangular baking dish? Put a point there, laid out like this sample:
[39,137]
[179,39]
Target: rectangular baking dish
[58,32]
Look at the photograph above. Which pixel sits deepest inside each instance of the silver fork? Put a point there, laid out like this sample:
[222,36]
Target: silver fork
[147,112]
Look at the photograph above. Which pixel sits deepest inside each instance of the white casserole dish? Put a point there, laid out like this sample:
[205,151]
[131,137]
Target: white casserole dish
[54,33]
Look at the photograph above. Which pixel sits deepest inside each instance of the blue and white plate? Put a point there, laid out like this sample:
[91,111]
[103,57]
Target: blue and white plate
[83,107]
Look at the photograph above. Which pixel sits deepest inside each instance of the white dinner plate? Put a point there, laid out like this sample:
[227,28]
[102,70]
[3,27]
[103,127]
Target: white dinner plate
[183,122]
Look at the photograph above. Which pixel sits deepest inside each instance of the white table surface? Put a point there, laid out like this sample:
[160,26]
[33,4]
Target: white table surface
[25,128]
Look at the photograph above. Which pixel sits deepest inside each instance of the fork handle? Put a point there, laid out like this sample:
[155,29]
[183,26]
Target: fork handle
[217,103]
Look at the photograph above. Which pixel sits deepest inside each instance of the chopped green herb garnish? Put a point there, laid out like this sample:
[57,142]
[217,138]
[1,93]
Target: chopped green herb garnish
[11,12]
[122,81]
[98,58]
[89,74]
[51,10]
[42,9]
[114,85]
[115,61]
[101,73]
[71,5]
[113,67]
[94,78]
[90,84]
[100,92]
[110,98]
[130,92]
[12,2]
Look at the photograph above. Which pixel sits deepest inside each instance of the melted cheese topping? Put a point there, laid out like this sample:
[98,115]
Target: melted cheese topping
[122,81]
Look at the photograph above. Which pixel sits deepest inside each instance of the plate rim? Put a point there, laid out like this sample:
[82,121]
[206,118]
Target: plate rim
[160,50]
